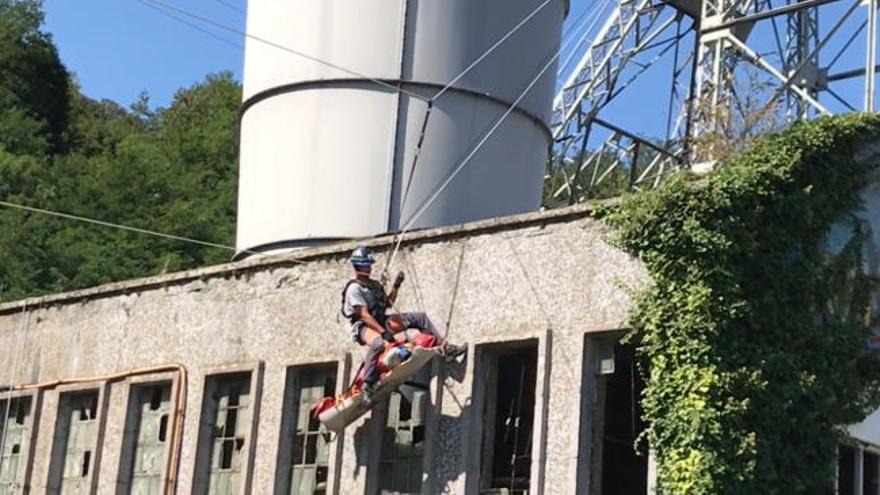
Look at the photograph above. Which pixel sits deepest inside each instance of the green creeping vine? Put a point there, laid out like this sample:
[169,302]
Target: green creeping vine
[752,337]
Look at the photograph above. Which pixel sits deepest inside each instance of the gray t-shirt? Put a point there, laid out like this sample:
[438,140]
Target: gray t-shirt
[358,295]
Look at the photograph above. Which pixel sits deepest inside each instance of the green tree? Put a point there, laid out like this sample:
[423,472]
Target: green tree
[170,170]
[33,81]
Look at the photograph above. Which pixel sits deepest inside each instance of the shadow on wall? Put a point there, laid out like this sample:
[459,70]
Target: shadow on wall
[446,452]
[361,445]
[448,462]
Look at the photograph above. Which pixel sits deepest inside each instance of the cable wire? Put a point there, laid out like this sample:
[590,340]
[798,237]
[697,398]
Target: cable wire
[572,34]
[595,15]
[417,153]
[467,158]
[129,228]
[231,6]
[195,26]
[168,9]
[226,27]
[491,49]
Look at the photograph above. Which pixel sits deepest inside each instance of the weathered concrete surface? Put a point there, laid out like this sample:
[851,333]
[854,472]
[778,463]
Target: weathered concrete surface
[529,276]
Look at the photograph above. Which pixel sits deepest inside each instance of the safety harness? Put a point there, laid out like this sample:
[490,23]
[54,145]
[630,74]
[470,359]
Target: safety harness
[376,290]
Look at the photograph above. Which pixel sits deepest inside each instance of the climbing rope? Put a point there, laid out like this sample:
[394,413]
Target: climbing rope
[578,34]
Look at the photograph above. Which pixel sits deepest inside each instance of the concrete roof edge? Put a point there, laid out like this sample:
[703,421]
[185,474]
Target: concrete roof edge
[435,234]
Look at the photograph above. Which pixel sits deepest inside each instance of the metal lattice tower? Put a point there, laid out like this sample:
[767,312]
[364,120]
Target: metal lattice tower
[738,68]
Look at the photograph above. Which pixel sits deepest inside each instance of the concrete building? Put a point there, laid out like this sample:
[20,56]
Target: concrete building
[201,381]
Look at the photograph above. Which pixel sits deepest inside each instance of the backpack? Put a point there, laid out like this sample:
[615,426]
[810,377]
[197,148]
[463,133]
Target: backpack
[378,293]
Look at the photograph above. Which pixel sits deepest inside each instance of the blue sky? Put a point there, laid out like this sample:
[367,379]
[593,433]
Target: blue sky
[118,48]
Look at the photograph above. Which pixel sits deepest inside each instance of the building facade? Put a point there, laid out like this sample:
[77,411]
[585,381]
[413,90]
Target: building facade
[201,381]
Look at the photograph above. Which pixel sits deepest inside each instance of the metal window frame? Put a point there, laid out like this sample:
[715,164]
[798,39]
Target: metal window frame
[480,392]
[126,461]
[23,477]
[201,480]
[288,418]
[427,419]
[595,345]
[860,449]
[55,477]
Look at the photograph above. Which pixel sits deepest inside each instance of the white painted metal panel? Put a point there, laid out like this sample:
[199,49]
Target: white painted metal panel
[503,178]
[361,35]
[317,166]
[868,431]
[326,159]
[450,34]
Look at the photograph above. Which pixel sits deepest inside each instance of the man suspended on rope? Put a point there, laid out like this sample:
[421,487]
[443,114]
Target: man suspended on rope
[365,302]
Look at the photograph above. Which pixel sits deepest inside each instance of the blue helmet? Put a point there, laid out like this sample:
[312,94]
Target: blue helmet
[361,257]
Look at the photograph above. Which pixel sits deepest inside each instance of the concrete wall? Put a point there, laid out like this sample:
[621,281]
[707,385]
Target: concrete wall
[546,276]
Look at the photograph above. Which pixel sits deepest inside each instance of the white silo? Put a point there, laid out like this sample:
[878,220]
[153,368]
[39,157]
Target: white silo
[327,155]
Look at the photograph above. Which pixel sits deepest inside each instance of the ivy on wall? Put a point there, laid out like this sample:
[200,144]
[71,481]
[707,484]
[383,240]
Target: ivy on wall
[752,338]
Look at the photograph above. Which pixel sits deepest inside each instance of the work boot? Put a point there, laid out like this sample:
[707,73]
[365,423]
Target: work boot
[452,351]
[367,392]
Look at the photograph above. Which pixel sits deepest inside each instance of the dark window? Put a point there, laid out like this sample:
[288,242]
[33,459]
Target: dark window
[624,470]
[870,485]
[76,435]
[508,417]
[846,470]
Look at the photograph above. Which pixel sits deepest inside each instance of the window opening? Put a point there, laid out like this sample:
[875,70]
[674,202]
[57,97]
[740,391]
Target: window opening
[145,439]
[87,456]
[624,470]
[870,485]
[163,427]
[509,418]
[22,408]
[156,394]
[403,437]
[226,454]
[14,432]
[306,442]
[226,419]
[846,470]
[849,461]
[76,437]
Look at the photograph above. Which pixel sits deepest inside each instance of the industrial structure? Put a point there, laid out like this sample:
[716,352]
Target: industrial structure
[363,118]
[312,133]
[731,68]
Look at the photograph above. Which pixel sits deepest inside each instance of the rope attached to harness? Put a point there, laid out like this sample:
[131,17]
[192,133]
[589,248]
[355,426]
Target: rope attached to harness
[409,182]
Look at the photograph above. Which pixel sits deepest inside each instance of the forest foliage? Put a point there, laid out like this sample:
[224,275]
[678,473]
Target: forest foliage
[753,335]
[171,170]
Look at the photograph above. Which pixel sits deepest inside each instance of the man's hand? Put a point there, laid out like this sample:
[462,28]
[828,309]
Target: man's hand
[392,294]
[371,323]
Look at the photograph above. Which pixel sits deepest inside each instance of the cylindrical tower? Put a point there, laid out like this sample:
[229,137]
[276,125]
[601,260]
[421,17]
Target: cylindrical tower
[327,155]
